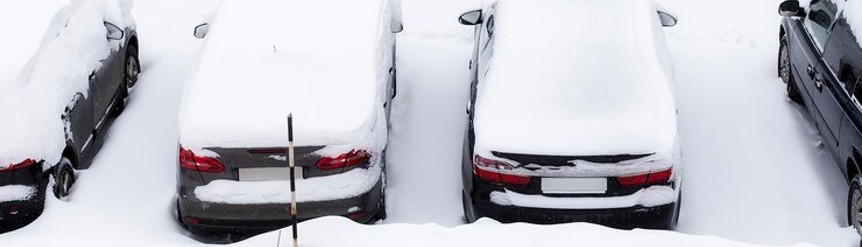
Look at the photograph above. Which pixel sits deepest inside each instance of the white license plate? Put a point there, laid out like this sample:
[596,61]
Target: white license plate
[574,185]
[268,173]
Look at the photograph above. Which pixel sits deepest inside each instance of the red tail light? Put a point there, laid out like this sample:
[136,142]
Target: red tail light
[24,164]
[352,158]
[652,178]
[496,171]
[189,160]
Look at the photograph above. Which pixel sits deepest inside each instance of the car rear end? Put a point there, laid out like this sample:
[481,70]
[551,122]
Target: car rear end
[241,189]
[21,193]
[622,191]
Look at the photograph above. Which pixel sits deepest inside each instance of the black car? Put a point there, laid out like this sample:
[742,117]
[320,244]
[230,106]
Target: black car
[82,115]
[820,59]
[545,142]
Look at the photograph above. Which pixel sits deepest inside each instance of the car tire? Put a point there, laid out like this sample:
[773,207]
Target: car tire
[64,178]
[785,71]
[854,203]
[132,67]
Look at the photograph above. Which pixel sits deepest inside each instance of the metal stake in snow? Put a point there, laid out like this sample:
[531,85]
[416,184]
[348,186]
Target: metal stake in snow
[292,161]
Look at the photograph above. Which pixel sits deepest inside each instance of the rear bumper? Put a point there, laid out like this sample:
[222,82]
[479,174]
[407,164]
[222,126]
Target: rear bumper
[15,211]
[624,218]
[201,216]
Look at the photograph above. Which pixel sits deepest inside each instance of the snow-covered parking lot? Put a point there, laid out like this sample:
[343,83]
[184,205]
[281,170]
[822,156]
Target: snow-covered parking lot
[754,169]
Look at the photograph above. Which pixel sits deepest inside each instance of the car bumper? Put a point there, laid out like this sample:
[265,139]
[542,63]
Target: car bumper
[205,216]
[623,218]
[16,212]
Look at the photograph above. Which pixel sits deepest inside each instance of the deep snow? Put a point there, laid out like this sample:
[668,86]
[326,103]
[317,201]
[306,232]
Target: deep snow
[754,171]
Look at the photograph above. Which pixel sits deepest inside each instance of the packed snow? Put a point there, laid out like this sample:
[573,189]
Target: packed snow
[349,184]
[34,96]
[753,171]
[16,193]
[565,79]
[484,232]
[266,59]
[647,197]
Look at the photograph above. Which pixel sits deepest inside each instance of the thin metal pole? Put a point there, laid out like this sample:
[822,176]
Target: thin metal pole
[292,163]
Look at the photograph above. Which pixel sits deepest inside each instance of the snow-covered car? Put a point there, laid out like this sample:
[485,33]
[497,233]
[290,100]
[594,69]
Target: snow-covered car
[572,114]
[260,61]
[820,60]
[59,90]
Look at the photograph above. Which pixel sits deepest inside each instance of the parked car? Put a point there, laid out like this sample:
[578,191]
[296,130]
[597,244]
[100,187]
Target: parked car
[259,62]
[820,59]
[55,108]
[572,114]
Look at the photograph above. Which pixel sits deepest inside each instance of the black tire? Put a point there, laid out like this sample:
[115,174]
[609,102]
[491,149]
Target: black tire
[785,71]
[854,203]
[132,67]
[64,178]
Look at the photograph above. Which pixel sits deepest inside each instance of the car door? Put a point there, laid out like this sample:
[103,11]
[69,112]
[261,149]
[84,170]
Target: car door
[813,71]
[851,137]
[108,79]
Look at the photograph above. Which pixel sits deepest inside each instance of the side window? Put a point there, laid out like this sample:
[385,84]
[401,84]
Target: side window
[820,19]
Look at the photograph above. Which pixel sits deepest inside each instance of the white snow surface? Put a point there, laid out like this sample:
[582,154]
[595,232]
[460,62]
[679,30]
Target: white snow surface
[647,197]
[334,187]
[265,59]
[484,232]
[753,173]
[566,79]
[16,192]
[853,13]
[47,68]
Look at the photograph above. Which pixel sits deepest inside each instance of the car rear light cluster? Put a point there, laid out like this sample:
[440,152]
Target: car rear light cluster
[652,178]
[352,158]
[24,164]
[497,171]
[189,160]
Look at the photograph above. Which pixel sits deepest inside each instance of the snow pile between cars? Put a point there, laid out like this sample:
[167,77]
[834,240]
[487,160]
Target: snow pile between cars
[34,96]
[324,61]
[484,232]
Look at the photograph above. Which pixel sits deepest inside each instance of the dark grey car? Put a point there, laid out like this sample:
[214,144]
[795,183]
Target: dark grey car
[86,120]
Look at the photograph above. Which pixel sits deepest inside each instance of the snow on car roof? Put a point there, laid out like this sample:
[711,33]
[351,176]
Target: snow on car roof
[44,70]
[576,77]
[263,59]
[853,13]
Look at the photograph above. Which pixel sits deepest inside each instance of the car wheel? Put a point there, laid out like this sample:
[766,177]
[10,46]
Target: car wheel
[785,71]
[133,66]
[854,203]
[64,178]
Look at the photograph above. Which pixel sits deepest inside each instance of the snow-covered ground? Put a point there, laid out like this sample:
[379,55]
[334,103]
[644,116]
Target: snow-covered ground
[755,171]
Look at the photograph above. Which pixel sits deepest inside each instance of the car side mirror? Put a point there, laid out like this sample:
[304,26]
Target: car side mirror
[114,32]
[471,18]
[202,30]
[396,27]
[791,8]
[667,19]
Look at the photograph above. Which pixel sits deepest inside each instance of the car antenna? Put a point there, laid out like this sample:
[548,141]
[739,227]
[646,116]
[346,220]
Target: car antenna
[292,163]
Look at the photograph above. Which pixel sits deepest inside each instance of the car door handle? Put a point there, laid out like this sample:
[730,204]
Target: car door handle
[818,81]
[811,72]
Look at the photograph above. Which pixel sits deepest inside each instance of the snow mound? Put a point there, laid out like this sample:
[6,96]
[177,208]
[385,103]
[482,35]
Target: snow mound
[484,232]
[16,193]
[584,77]
[349,184]
[34,93]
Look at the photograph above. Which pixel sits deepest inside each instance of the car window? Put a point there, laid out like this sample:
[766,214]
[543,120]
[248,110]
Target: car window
[821,17]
